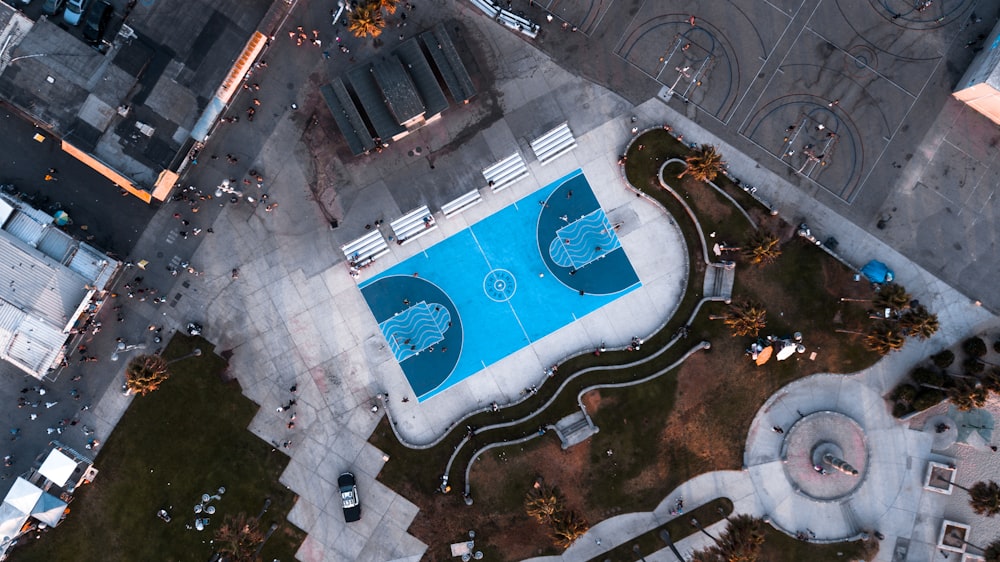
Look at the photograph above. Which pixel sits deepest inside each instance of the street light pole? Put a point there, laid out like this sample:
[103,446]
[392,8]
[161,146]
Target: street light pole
[196,352]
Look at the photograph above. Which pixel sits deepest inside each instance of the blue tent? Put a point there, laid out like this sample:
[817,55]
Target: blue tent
[877,272]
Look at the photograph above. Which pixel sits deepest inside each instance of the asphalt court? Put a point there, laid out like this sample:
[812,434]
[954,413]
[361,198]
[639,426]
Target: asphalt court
[585,15]
[710,64]
[822,87]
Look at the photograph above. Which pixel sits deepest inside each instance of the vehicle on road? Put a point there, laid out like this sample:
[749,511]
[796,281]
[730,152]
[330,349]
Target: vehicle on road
[97,21]
[74,11]
[349,497]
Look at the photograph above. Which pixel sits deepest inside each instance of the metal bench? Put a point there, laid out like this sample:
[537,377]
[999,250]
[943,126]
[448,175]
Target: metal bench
[413,225]
[553,144]
[462,203]
[505,172]
[366,249]
[516,23]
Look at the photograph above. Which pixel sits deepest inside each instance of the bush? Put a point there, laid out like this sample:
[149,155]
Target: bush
[973,366]
[899,410]
[975,347]
[926,398]
[927,376]
[904,392]
[944,359]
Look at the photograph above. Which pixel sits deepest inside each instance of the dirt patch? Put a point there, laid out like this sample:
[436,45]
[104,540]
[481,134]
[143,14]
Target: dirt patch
[593,401]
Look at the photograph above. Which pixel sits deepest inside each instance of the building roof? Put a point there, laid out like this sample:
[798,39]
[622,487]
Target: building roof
[347,116]
[50,278]
[412,57]
[165,65]
[985,67]
[449,63]
[397,89]
[362,81]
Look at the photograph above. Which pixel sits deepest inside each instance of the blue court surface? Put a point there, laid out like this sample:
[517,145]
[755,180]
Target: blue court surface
[500,285]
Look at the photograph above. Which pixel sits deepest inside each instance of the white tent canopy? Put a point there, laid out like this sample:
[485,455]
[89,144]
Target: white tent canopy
[23,495]
[49,510]
[57,467]
[11,521]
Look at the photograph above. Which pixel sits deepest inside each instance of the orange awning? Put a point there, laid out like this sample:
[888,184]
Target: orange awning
[106,171]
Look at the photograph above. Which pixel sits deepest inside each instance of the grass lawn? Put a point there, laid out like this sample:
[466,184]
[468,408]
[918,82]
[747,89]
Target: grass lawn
[187,438]
[656,435]
[679,528]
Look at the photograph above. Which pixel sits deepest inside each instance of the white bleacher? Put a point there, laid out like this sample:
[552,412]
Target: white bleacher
[366,249]
[516,23]
[488,8]
[462,203]
[413,225]
[505,172]
[553,144]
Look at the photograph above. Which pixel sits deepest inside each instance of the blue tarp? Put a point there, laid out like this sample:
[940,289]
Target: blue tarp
[877,272]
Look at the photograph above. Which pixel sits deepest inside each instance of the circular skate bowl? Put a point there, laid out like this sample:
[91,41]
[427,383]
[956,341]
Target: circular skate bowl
[813,437]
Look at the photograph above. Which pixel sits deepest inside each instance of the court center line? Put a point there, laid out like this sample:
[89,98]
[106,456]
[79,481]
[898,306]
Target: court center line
[507,302]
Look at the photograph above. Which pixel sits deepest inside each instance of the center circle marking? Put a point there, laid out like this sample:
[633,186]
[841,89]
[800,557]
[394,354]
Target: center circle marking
[499,285]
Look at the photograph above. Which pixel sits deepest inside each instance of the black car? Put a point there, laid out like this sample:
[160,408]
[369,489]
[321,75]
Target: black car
[53,7]
[97,21]
[349,497]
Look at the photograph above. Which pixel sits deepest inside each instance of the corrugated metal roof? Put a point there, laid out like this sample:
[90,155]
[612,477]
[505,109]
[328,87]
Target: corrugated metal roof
[348,119]
[92,265]
[6,210]
[37,284]
[10,318]
[56,244]
[36,344]
[371,99]
[398,89]
[413,59]
[25,228]
[449,63]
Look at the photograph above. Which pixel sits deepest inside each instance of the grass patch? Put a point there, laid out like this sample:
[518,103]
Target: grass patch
[780,547]
[187,438]
[679,528]
[659,434]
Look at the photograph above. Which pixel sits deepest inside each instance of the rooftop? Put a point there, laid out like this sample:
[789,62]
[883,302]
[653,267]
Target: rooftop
[51,280]
[133,104]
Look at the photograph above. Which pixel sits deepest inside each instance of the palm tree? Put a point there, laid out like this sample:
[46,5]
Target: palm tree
[239,537]
[743,538]
[992,551]
[745,318]
[544,503]
[892,296]
[919,323]
[991,381]
[703,164]
[145,373]
[984,498]
[567,528]
[967,394]
[763,248]
[740,542]
[365,20]
[388,5]
[884,338]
